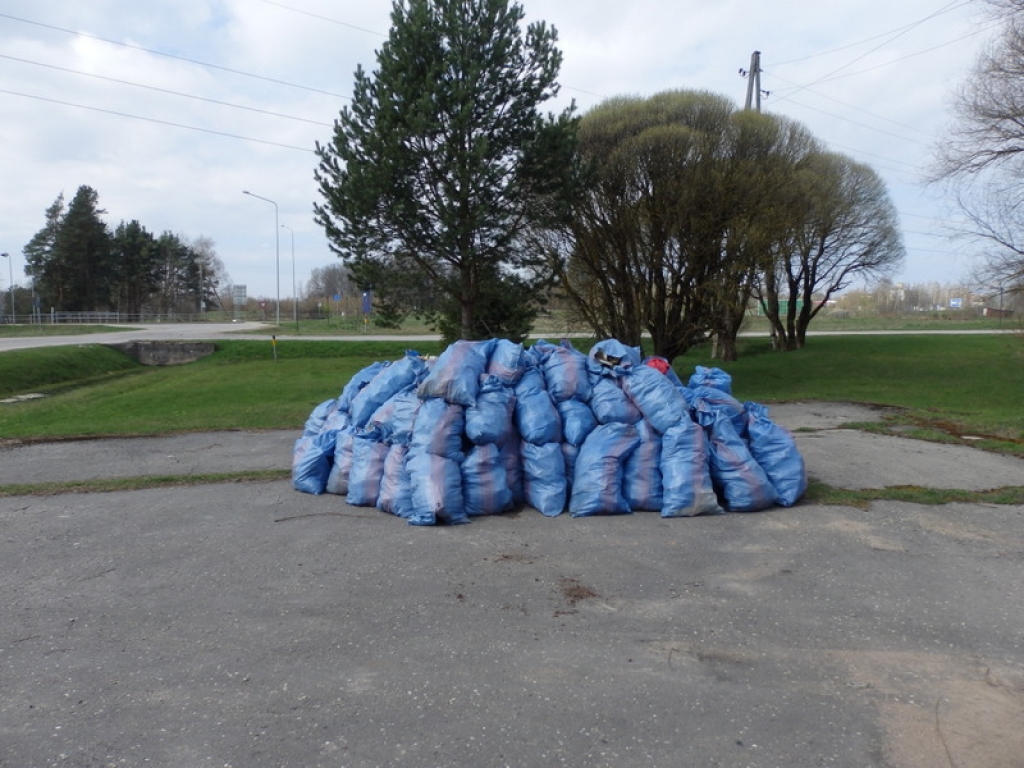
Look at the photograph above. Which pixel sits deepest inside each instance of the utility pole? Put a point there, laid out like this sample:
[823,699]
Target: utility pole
[753,80]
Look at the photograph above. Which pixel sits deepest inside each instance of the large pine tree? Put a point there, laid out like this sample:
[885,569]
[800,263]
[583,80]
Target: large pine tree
[84,248]
[443,163]
[70,257]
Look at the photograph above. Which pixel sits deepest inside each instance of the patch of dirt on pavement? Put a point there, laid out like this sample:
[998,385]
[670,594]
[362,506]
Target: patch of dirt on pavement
[825,415]
[941,710]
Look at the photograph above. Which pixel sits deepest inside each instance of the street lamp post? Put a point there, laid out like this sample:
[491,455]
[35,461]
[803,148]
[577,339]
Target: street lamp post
[10,288]
[277,247]
[295,295]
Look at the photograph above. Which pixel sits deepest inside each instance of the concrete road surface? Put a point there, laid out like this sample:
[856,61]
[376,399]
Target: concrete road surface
[252,626]
[183,332]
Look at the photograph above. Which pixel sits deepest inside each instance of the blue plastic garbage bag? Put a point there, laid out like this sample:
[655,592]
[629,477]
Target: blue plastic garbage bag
[398,415]
[774,448]
[336,422]
[544,482]
[597,482]
[738,478]
[662,364]
[536,416]
[396,377]
[507,361]
[718,400]
[570,453]
[357,382]
[657,398]
[436,490]
[337,480]
[368,454]
[485,488]
[685,475]
[612,353]
[382,418]
[578,420]
[711,377]
[311,462]
[315,423]
[490,418]
[438,429]
[513,463]
[641,477]
[565,370]
[395,488]
[455,376]
[607,400]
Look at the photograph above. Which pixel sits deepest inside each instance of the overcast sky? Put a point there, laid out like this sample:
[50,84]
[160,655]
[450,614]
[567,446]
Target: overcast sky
[170,109]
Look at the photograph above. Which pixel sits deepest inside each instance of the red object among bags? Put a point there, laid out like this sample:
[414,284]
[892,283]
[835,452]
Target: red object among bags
[659,364]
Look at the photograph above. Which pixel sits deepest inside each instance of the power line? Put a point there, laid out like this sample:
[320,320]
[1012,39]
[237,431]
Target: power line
[165,90]
[322,18]
[174,56]
[844,104]
[947,9]
[946,44]
[156,121]
[894,36]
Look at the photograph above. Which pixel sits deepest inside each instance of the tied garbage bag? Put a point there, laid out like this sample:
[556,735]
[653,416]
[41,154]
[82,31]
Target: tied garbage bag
[738,478]
[438,429]
[570,453]
[774,448]
[507,362]
[337,480]
[485,488]
[544,483]
[578,421]
[607,400]
[436,490]
[398,415]
[565,370]
[311,462]
[597,482]
[658,399]
[711,377]
[662,364]
[455,376]
[368,454]
[687,489]
[717,400]
[641,479]
[612,352]
[394,378]
[513,463]
[336,422]
[357,382]
[489,419]
[536,416]
[395,489]
[315,423]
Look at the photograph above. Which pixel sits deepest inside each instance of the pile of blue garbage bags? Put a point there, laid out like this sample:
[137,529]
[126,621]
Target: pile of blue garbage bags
[491,426]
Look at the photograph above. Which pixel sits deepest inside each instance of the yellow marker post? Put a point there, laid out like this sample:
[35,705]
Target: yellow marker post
[273,343]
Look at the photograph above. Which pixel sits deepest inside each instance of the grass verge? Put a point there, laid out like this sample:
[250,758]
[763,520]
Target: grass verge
[945,387]
[110,485]
[820,493]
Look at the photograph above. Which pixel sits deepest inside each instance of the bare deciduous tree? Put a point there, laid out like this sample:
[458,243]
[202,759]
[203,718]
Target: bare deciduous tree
[981,157]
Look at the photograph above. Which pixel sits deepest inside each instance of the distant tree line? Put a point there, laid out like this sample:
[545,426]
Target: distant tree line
[78,264]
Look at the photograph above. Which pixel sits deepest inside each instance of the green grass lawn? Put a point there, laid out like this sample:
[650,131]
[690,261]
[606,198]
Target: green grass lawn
[947,385]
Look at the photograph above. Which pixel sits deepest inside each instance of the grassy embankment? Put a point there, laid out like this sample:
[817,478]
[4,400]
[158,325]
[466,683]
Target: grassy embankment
[946,387]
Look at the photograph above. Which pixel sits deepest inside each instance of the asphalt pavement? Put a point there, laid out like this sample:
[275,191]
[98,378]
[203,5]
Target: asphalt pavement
[248,625]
